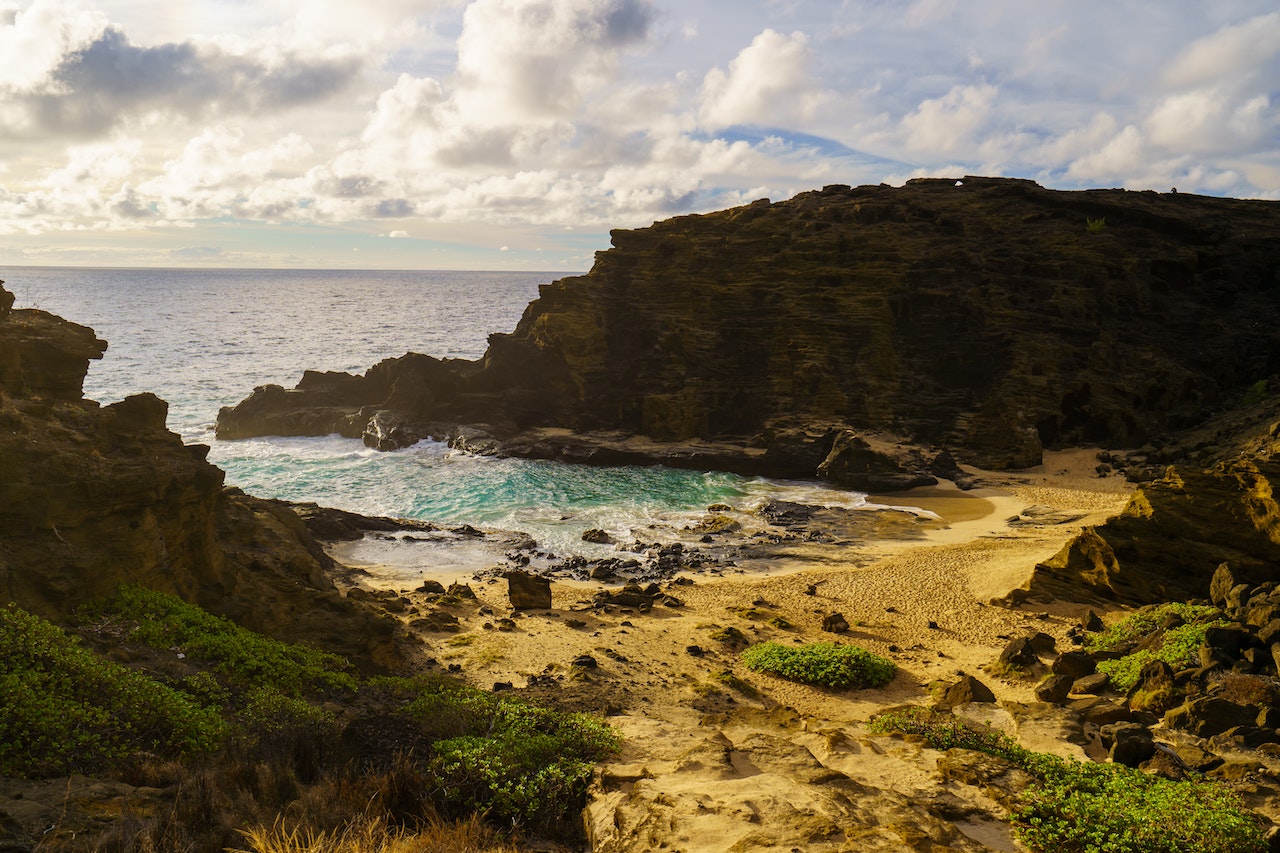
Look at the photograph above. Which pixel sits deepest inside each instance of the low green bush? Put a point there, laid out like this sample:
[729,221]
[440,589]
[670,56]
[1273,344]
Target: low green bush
[1142,622]
[517,762]
[67,709]
[245,658]
[1080,807]
[837,665]
[1179,646]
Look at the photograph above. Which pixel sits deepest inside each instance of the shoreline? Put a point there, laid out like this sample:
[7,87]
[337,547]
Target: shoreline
[890,592]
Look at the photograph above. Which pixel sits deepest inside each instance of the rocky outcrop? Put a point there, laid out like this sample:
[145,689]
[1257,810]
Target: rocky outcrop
[1171,537]
[94,496]
[990,316]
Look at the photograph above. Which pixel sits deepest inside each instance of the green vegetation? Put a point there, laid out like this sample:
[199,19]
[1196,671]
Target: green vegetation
[1078,807]
[517,762]
[835,665]
[1178,646]
[261,717]
[67,709]
[1095,226]
[242,656]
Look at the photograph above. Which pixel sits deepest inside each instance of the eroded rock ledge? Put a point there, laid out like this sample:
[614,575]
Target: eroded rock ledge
[991,317]
[95,496]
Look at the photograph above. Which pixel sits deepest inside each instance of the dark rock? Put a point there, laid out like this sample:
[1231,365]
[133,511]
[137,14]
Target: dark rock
[1160,547]
[1068,340]
[1131,743]
[1019,652]
[597,536]
[432,587]
[1054,689]
[437,621]
[1042,643]
[1237,598]
[528,592]
[1073,665]
[874,465]
[1091,622]
[585,662]
[1222,582]
[1090,684]
[1209,716]
[835,623]
[461,590]
[967,689]
[695,651]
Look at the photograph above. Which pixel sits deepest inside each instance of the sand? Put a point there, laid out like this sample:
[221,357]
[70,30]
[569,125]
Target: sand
[925,602]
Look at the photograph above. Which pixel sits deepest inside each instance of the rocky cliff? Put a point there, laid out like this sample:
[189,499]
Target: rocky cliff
[94,496]
[989,316]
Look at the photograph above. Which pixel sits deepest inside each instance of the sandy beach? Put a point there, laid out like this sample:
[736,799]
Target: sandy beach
[679,693]
[890,592]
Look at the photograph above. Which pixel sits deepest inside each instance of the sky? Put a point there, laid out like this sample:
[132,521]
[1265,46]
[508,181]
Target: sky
[514,134]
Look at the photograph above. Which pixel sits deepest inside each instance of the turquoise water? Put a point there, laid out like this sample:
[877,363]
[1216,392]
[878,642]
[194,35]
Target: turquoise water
[202,339]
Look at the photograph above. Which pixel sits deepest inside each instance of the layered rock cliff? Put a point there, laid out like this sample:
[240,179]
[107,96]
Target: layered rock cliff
[94,496]
[989,316]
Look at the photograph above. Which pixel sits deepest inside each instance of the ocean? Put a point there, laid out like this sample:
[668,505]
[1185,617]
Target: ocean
[204,338]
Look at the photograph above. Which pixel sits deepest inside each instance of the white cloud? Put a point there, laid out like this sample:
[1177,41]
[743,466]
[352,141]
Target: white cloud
[949,123]
[1233,52]
[768,83]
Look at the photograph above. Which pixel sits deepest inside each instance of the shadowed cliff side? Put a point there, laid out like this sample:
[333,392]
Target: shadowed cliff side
[94,496]
[991,317]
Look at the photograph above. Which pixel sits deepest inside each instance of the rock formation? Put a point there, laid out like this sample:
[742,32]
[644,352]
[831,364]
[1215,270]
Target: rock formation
[94,496]
[989,316]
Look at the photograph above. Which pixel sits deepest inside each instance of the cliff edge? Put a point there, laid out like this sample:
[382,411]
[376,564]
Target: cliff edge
[95,496]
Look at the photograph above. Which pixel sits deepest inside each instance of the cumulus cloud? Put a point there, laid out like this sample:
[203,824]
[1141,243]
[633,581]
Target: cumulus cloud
[408,115]
[75,73]
[768,83]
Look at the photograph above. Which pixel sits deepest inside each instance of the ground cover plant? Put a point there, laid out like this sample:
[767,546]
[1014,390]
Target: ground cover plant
[251,729]
[1185,626]
[836,665]
[1081,807]
[69,710]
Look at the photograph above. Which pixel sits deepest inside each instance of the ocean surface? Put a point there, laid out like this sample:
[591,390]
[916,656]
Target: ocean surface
[202,339]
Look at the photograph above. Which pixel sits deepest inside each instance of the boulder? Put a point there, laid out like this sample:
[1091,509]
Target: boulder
[835,623]
[1131,743]
[1073,665]
[528,592]
[967,689]
[1054,689]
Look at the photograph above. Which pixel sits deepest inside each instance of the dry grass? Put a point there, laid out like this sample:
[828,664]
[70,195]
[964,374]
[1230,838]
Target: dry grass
[373,835]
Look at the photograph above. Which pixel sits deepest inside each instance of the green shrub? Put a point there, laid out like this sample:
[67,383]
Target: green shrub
[1178,646]
[518,762]
[67,709]
[244,657]
[1142,622]
[1095,226]
[835,665]
[1079,807]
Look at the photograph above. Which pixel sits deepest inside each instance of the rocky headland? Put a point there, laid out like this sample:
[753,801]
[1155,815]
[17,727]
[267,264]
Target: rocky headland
[95,496]
[872,335]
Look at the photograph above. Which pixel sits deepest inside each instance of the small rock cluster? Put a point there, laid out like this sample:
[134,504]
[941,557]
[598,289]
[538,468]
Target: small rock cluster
[1194,716]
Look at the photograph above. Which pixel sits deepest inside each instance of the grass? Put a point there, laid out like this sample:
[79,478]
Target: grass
[835,665]
[374,835]
[1079,807]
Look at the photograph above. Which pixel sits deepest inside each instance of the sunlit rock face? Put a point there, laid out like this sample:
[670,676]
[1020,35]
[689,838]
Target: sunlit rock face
[95,496]
[991,317]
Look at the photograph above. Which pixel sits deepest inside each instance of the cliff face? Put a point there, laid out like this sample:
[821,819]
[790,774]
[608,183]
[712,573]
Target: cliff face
[94,496]
[990,316]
